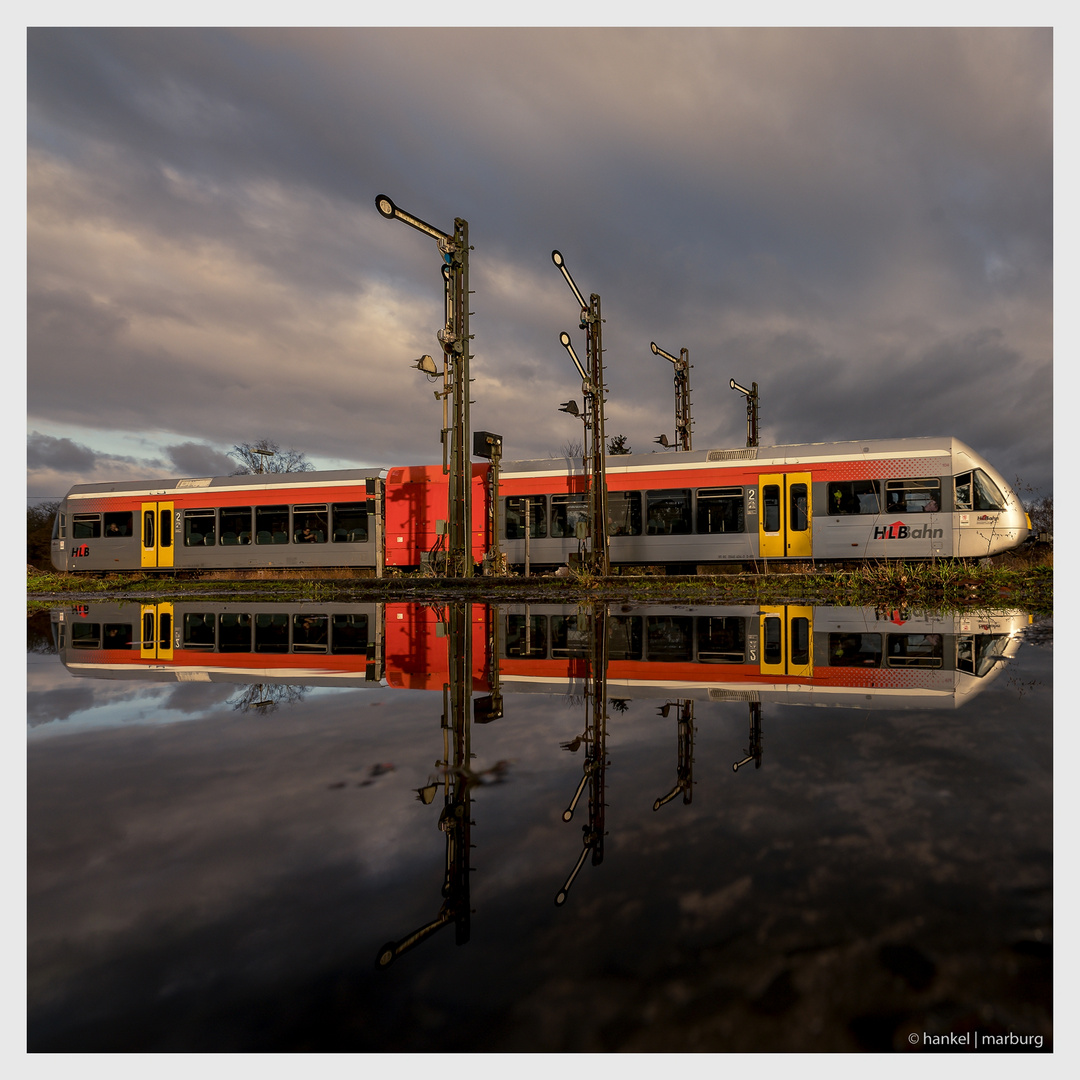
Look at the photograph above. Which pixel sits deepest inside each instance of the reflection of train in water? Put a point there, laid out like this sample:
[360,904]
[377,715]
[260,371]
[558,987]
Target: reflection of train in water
[901,498]
[603,655]
[859,657]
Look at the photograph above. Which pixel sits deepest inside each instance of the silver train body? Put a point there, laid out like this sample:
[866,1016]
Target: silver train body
[921,498]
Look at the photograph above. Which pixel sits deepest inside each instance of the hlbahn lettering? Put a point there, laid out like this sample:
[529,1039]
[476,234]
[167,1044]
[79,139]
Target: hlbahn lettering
[899,531]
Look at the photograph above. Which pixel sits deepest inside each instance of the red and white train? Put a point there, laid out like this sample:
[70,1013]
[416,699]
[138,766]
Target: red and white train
[920,498]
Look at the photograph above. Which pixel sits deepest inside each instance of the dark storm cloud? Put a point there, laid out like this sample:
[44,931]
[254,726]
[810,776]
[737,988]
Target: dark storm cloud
[43,451]
[197,459]
[858,220]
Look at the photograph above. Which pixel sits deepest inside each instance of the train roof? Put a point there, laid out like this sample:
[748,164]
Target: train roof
[788,454]
[254,480]
[784,454]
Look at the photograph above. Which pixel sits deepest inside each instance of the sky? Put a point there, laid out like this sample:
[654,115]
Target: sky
[858,220]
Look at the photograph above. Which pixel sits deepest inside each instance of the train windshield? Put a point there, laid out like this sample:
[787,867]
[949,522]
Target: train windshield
[976,491]
[978,653]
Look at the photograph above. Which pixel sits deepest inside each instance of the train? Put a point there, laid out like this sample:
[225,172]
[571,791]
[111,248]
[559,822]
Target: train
[854,657]
[689,512]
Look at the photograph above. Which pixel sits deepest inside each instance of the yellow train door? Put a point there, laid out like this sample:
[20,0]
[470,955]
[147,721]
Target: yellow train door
[787,641]
[157,534]
[785,516]
[157,632]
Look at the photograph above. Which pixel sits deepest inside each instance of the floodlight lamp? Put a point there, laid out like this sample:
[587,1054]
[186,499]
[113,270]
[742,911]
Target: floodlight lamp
[564,340]
[570,407]
[660,352]
[385,205]
[426,365]
[662,440]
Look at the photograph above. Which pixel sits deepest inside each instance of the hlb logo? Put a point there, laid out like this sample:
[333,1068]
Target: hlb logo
[899,531]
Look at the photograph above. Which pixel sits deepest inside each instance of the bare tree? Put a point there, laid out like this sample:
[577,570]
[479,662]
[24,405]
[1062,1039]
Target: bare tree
[39,524]
[266,456]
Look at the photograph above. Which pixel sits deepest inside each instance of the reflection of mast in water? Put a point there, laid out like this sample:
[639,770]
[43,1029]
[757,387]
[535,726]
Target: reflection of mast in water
[754,750]
[595,740]
[684,773]
[454,820]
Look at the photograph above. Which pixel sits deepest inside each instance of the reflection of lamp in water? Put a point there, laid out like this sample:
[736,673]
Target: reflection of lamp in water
[595,739]
[684,779]
[454,818]
[755,750]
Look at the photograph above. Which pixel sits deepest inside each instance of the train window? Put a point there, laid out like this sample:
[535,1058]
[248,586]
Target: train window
[164,630]
[311,524]
[85,635]
[978,654]
[721,510]
[800,640]
[567,513]
[526,636]
[721,640]
[669,512]
[148,630]
[165,536]
[118,524]
[624,637]
[234,632]
[798,512]
[570,636]
[624,513]
[148,529]
[349,634]
[855,650]
[854,497]
[914,650]
[271,632]
[198,630]
[199,528]
[669,637]
[770,507]
[913,496]
[118,636]
[772,649]
[271,524]
[350,523]
[85,526]
[309,632]
[235,525]
[976,491]
[59,526]
[515,516]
